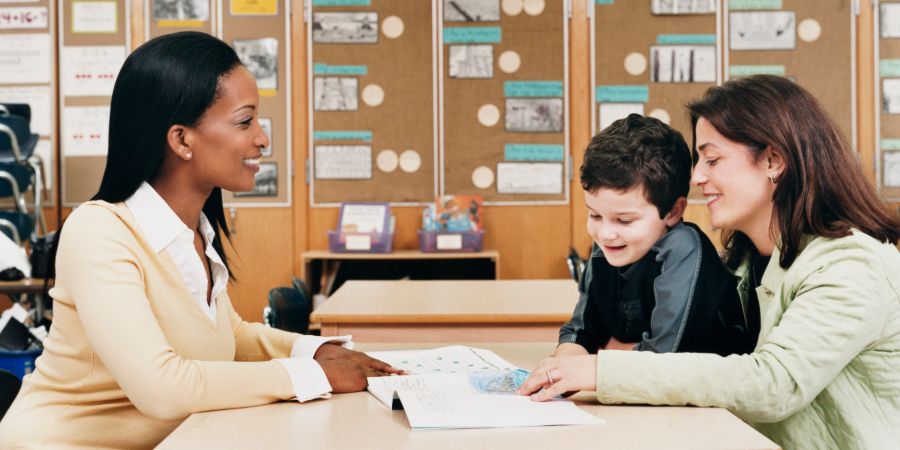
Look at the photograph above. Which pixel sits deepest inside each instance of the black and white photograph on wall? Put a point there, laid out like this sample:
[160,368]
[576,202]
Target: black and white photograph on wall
[266,182]
[335,94]
[266,124]
[683,6]
[889,23]
[891,172]
[345,28]
[471,61]
[471,10]
[890,95]
[260,57]
[181,10]
[343,162]
[683,64]
[534,115]
[762,30]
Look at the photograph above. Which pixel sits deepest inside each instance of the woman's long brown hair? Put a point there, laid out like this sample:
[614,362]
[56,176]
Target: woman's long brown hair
[822,190]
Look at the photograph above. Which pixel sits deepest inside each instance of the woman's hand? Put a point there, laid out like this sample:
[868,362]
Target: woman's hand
[371,366]
[558,375]
[344,375]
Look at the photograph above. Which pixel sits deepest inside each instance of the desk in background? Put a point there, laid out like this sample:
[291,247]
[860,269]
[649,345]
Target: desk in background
[449,311]
[324,271]
[359,421]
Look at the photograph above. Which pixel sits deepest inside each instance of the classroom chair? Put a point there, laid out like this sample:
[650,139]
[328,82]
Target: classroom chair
[20,169]
[9,388]
[16,225]
[289,307]
[575,264]
[22,110]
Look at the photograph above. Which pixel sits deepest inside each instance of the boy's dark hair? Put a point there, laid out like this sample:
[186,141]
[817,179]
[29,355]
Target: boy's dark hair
[643,151]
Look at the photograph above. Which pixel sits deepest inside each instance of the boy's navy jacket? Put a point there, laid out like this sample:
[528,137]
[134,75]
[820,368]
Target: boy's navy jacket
[679,297]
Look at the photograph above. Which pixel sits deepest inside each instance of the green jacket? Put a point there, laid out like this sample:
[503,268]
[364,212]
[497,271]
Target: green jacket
[826,370]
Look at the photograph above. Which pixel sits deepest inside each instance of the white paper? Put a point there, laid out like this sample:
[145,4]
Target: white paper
[454,410]
[25,58]
[611,112]
[23,18]
[94,17]
[343,162]
[363,218]
[38,97]
[529,178]
[763,30]
[90,70]
[890,20]
[357,242]
[451,359]
[890,95]
[892,169]
[449,241]
[85,130]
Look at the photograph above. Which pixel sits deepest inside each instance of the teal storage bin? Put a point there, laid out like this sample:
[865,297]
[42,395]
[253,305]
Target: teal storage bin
[20,363]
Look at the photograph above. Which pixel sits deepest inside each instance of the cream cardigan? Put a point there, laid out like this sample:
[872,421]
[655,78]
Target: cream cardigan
[130,355]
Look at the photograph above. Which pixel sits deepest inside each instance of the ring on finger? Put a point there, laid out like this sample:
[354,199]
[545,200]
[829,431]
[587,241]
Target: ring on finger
[549,377]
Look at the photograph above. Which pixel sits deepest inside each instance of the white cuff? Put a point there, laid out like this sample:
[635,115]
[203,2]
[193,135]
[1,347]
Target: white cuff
[307,346]
[307,377]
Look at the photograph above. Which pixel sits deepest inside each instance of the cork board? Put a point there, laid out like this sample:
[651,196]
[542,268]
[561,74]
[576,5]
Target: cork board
[165,17]
[821,59]
[504,101]
[259,31]
[887,88]
[654,66]
[33,22]
[94,39]
[372,89]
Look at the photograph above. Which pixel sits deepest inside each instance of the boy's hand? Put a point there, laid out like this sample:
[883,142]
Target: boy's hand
[615,344]
[569,349]
[557,376]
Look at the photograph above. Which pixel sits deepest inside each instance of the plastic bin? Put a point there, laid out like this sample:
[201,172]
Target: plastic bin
[20,362]
[451,241]
[349,242]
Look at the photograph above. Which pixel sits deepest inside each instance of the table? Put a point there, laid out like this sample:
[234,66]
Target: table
[321,267]
[449,311]
[359,421]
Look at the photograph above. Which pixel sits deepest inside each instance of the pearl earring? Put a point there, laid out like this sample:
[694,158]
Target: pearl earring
[188,155]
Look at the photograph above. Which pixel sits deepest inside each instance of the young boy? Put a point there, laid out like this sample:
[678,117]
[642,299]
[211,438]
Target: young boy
[653,282]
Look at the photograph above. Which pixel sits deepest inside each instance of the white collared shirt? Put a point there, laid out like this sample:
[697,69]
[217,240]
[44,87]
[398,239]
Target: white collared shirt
[165,232]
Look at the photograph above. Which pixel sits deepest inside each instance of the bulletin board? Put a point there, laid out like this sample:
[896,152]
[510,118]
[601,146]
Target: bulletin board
[504,100]
[811,42]
[887,90]
[667,56]
[166,16]
[27,67]
[373,96]
[94,40]
[259,31]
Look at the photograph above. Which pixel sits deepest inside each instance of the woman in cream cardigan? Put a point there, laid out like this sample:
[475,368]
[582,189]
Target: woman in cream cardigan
[813,246]
[144,333]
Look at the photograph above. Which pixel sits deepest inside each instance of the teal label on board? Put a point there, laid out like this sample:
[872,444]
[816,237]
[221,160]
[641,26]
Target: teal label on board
[623,94]
[533,152]
[686,39]
[325,69]
[605,2]
[746,71]
[890,144]
[342,2]
[472,35]
[342,135]
[754,4]
[533,88]
[889,67]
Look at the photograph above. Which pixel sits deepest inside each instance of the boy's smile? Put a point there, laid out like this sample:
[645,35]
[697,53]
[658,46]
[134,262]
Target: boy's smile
[624,224]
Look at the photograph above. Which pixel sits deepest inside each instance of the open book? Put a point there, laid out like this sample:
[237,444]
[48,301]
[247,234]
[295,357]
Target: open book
[465,387]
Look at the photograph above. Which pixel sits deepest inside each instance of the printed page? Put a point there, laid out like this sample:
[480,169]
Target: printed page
[491,381]
[452,359]
[426,409]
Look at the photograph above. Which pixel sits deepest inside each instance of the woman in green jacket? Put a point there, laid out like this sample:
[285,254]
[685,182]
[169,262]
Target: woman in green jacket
[814,247]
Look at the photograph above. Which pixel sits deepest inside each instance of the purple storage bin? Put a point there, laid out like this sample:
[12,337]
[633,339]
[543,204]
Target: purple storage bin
[19,362]
[451,241]
[350,242]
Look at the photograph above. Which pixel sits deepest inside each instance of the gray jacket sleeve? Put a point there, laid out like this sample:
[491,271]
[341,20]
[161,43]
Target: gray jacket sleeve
[680,253]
